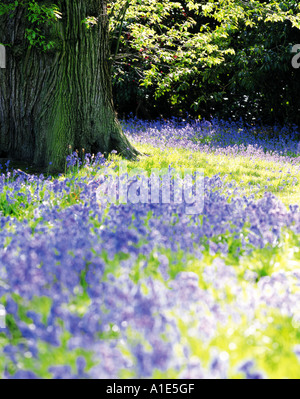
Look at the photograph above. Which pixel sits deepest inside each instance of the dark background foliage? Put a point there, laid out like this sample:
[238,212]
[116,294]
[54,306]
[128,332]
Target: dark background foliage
[257,83]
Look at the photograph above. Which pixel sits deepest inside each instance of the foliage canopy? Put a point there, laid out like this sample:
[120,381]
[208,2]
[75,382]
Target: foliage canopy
[204,57]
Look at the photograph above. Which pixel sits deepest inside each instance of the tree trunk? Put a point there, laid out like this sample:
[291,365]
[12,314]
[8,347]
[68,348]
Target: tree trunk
[60,99]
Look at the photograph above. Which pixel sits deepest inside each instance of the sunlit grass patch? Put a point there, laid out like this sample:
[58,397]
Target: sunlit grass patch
[252,175]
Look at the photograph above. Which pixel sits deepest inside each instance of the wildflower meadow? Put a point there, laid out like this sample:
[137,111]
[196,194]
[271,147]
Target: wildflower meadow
[97,289]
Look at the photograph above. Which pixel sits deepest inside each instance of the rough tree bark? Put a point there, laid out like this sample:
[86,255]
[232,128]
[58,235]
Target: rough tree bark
[51,101]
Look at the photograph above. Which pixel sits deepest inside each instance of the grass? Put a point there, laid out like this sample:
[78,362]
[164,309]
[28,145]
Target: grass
[251,174]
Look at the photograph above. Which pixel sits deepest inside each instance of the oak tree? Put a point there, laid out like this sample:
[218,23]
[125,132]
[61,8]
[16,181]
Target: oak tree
[55,92]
